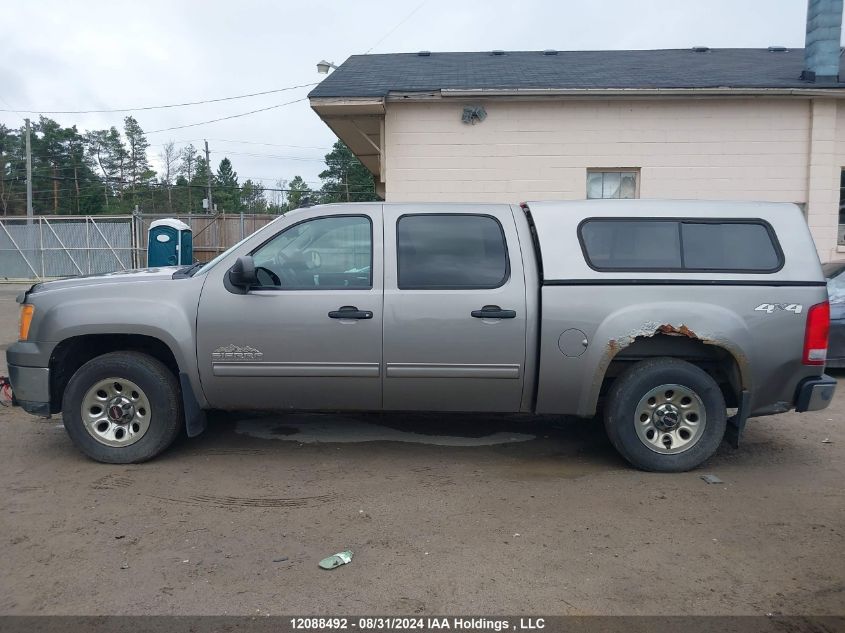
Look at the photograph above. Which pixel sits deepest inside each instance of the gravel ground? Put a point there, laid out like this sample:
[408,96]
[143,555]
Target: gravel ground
[445,514]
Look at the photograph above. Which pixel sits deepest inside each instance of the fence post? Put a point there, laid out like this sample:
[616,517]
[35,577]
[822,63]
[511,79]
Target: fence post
[87,247]
[242,225]
[41,243]
[135,232]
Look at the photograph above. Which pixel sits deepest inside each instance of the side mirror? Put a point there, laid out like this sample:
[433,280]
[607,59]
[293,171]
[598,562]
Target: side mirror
[242,274]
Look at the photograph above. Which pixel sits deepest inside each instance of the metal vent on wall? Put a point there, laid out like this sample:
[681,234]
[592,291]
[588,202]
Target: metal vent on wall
[473,114]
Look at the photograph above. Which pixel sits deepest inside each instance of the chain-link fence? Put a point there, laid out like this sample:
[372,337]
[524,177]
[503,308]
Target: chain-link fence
[50,246]
[62,246]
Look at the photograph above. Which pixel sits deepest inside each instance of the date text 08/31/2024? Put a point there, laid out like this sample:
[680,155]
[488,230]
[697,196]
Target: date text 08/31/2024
[418,624]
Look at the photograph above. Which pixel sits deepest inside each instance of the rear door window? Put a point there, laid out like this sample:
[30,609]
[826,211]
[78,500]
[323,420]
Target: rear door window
[451,251]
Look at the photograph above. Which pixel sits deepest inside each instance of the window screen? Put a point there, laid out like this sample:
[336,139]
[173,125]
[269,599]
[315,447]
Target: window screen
[681,245]
[451,251]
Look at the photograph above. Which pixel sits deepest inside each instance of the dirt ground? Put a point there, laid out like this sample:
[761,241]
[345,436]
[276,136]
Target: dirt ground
[445,515]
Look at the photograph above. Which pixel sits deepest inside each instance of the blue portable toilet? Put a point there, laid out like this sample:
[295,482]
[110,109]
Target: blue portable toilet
[170,243]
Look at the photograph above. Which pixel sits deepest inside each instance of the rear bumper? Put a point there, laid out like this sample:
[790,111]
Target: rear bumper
[815,394]
[31,386]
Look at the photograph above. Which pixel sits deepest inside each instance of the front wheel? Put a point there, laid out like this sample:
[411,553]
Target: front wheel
[122,407]
[665,415]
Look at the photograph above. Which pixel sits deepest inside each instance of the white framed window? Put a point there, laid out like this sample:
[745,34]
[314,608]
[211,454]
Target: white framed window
[619,182]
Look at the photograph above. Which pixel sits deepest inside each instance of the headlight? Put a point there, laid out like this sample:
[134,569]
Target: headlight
[27,310]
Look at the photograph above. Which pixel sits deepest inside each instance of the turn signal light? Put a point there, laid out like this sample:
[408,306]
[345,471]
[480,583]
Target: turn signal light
[27,311]
[815,336]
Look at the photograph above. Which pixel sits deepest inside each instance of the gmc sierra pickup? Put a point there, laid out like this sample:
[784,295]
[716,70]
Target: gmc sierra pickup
[675,320]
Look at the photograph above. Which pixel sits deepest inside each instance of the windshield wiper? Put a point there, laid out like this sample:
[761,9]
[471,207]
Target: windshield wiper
[190,271]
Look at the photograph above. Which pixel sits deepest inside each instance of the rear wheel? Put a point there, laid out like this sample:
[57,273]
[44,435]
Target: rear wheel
[665,415]
[122,407]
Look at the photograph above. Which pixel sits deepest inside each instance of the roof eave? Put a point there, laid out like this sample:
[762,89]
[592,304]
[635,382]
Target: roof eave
[347,105]
[836,93]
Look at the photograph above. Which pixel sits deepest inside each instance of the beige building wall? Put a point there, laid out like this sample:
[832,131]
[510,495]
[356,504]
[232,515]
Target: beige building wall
[716,148]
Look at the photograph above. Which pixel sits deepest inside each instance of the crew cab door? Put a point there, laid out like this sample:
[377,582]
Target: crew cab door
[455,320]
[309,337]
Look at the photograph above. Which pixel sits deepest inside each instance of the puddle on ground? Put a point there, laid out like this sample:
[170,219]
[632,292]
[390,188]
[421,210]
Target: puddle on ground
[338,430]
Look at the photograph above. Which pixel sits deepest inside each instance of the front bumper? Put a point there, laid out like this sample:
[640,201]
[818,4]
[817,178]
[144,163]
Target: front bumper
[815,394]
[28,363]
[31,386]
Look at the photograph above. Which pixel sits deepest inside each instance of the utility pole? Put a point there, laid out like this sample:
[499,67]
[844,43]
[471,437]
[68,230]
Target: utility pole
[208,174]
[28,176]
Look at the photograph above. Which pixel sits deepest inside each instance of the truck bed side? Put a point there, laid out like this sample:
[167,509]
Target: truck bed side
[594,324]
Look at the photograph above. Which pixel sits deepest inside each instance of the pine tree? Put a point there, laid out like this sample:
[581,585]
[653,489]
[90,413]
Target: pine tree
[345,178]
[139,171]
[252,197]
[297,190]
[200,180]
[227,191]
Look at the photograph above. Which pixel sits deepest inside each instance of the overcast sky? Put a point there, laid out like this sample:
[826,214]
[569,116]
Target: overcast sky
[60,55]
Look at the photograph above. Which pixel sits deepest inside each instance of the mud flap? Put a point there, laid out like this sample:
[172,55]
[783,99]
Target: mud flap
[736,423]
[195,420]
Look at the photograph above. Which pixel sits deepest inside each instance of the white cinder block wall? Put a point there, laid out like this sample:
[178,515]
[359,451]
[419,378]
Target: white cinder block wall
[787,150]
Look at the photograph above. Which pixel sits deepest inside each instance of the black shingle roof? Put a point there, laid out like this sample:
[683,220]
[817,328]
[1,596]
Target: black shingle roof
[376,75]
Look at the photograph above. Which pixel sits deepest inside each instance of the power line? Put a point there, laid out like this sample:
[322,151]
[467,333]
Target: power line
[160,107]
[226,118]
[115,181]
[391,31]
[223,140]
[274,179]
[276,156]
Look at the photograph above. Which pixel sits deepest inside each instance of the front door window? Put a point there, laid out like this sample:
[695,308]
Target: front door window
[332,253]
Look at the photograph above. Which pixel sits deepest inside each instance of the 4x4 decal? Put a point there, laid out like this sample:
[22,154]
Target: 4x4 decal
[768,308]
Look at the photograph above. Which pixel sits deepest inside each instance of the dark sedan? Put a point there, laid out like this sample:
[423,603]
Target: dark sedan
[835,274]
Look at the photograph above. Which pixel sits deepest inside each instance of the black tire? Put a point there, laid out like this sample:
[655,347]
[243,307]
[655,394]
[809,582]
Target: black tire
[636,382]
[161,389]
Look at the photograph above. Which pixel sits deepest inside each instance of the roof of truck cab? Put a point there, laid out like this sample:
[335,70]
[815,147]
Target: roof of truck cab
[558,223]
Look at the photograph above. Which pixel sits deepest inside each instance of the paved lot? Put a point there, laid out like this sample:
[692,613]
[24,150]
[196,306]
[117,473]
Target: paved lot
[445,515]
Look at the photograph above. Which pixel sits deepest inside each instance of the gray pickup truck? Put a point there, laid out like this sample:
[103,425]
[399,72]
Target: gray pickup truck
[676,320]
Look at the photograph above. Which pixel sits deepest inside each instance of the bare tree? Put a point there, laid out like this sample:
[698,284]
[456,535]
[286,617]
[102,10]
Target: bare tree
[170,158]
[277,197]
[188,155]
